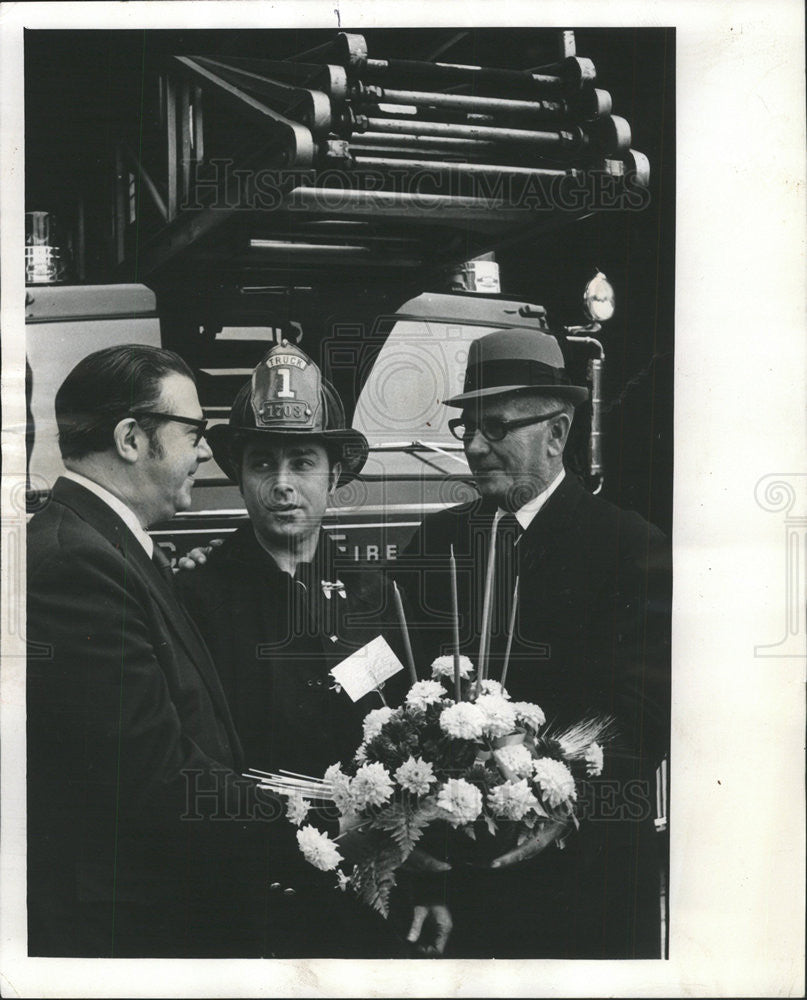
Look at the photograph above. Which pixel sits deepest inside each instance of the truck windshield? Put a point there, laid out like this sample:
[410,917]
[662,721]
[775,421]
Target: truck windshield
[421,363]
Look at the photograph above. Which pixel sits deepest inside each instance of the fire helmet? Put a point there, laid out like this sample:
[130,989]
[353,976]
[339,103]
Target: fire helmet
[288,397]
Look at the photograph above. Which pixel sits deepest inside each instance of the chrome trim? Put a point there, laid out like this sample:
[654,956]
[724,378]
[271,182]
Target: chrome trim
[378,524]
[193,531]
[331,511]
[325,527]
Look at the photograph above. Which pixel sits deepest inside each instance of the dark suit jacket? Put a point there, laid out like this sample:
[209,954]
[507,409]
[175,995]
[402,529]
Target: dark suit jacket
[592,636]
[274,640]
[125,713]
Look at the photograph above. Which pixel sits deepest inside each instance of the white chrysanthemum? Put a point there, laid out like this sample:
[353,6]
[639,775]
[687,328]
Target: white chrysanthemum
[512,800]
[530,715]
[415,775]
[555,781]
[494,687]
[517,759]
[374,720]
[296,808]
[372,786]
[443,666]
[360,756]
[340,788]
[500,716]
[424,693]
[318,848]
[460,801]
[594,759]
[463,721]
[342,880]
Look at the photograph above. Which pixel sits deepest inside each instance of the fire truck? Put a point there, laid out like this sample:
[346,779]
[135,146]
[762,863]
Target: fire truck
[413,359]
[370,208]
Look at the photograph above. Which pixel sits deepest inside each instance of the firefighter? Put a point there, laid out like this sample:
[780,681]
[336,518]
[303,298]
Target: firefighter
[278,608]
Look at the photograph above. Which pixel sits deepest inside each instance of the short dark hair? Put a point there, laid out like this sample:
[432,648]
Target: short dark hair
[107,386]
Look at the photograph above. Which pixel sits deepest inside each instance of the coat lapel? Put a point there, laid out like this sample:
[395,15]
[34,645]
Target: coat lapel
[106,522]
[550,524]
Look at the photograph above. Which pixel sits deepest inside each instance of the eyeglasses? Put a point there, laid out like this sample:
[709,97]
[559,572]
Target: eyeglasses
[200,425]
[493,428]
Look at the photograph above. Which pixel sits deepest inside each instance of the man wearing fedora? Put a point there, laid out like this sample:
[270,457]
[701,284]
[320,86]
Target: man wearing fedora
[279,607]
[590,636]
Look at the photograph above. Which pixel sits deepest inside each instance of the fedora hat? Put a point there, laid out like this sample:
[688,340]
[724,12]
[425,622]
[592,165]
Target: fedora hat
[288,397]
[511,360]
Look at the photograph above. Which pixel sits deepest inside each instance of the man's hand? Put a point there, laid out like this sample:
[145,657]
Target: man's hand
[198,556]
[545,835]
[420,862]
[431,928]
[431,925]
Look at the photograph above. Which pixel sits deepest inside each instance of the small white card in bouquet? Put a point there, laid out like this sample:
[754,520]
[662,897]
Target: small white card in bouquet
[367,668]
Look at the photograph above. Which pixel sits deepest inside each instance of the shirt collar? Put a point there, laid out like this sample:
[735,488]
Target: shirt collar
[321,566]
[126,514]
[524,515]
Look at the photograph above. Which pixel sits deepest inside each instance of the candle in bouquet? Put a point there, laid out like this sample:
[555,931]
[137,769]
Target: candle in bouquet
[410,660]
[510,630]
[486,610]
[455,622]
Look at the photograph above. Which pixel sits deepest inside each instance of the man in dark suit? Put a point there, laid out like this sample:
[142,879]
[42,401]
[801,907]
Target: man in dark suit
[131,745]
[590,637]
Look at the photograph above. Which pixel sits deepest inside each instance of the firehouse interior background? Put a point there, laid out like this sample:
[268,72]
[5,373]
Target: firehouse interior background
[119,133]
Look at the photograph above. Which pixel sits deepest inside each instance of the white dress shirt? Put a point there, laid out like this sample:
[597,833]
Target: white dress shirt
[525,514]
[126,514]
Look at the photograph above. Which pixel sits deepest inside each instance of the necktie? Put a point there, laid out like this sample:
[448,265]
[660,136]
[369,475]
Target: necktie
[508,530]
[508,533]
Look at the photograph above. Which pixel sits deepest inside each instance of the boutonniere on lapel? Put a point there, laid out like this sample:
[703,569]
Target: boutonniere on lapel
[329,588]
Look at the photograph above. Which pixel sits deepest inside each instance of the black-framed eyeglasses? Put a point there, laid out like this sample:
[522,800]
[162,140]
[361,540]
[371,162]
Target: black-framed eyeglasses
[493,428]
[200,425]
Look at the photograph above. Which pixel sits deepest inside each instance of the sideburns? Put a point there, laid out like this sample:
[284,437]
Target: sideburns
[156,450]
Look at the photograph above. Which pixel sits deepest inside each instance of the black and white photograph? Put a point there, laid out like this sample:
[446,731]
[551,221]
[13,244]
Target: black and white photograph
[353,405]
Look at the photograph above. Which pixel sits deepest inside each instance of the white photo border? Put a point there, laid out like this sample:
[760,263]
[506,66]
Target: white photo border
[737,836]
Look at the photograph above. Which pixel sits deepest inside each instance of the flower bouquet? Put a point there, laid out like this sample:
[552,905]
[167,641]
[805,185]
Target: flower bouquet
[484,766]
[476,769]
